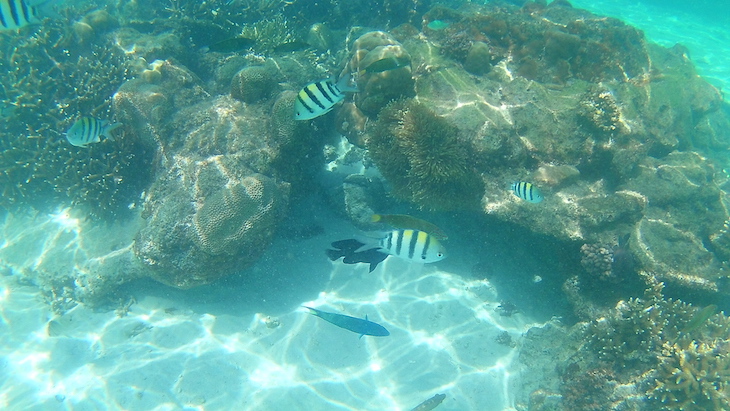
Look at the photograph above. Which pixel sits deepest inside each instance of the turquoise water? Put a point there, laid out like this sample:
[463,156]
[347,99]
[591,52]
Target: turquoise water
[495,326]
[702,27]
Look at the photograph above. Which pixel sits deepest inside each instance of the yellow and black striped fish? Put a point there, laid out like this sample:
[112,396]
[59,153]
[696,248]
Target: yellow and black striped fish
[526,191]
[413,245]
[87,130]
[16,14]
[319,97]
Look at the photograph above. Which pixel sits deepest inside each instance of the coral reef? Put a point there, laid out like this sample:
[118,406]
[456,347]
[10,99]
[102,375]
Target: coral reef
[240,213]
[383,69]
[424,159]
[608,262]
[597,260]
[298,149]
[612,138]
[693,376]
[646,353]
[221,215]
[51,80]
[253,83]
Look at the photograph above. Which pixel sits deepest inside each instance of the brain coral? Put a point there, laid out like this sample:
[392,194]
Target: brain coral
[238,214]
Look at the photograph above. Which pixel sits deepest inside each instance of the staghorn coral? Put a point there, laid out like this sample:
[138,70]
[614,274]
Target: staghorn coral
[636,329]
[50,81]
[693,376]
[424,159]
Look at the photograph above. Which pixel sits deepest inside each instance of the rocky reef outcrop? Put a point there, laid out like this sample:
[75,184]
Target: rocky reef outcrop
[619,134]
[649,352]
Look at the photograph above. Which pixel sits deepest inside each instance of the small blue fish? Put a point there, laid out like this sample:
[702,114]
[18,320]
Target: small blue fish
[319,98]
[16,14]
[356,325]
[87,130]
[526,191]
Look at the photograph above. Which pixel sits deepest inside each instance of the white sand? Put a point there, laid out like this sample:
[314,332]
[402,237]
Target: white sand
[168,355]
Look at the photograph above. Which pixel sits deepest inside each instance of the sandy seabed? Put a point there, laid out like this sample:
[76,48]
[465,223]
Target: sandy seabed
[169,355]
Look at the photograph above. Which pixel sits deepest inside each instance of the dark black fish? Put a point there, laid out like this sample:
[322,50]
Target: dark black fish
[623,261]
[348,249]
[232,45]
[291,46]
[356,325]
[430,403]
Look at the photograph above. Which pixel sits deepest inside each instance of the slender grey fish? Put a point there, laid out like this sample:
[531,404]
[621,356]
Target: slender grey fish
[430,403]
[356,325]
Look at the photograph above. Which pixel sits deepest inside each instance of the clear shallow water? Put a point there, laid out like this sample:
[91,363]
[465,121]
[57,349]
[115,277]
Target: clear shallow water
[174,353]
[702,27]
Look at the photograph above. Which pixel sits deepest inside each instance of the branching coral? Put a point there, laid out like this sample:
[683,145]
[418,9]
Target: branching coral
[636,329]
[424,159]
[693,376]
[677,352]
[51,83]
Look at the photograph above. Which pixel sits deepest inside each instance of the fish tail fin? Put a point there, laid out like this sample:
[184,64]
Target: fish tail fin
[375,218]
[108,128]
[334,254]
[343,85]
[312,311]
[369,241]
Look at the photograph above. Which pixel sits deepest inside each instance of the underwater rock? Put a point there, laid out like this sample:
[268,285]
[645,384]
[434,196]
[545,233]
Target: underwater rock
[222,214]
[320,37]
[147,108]
[215,221]
[479,59]
[383,68]
[253,83]
[675,256]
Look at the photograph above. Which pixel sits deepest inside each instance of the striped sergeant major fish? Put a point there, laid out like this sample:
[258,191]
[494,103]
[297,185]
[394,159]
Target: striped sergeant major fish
[413,245]
[526,191]
[16,14]
[319,98]
[87,130]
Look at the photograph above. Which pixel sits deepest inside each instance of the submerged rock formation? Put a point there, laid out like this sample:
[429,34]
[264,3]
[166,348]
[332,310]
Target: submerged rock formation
[619,134]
